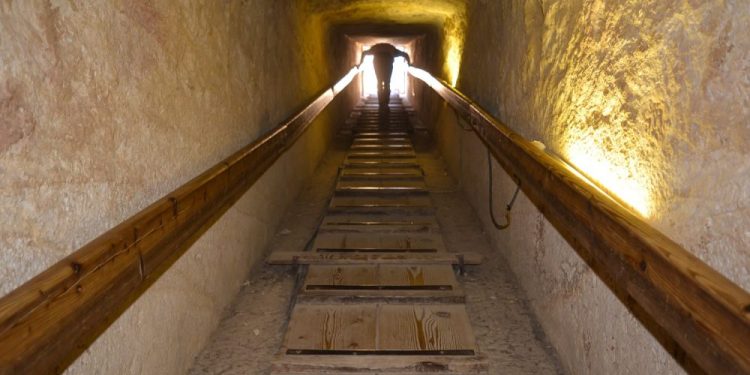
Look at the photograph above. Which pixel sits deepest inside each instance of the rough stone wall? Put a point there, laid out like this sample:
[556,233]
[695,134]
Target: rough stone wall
[107,106]
[652,96]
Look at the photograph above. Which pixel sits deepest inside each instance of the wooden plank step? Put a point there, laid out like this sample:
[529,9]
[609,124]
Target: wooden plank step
[368,120]
[377,326]
[392,127]
[424,328]
[366,242]
[382,147]
[378,364]
[368,129]
[377,125]
[382,127]
[382,211]
[394,116]
[381,200]
[379,229]
[378,220]
[363,137]
[328,336]
[308,257]
[393,110]
[376,177]
[381,144]
[373,225]
[372,184]
[386,134]
[381,140]
[370,189]
[384,193]
[409,172]
[381,163]
[402,118]
[409,155]
[394,283]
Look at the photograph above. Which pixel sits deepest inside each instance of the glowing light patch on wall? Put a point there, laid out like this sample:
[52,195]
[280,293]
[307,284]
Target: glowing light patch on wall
[613,175]
[602,137]
[399,83]
[455,32]
[454,63]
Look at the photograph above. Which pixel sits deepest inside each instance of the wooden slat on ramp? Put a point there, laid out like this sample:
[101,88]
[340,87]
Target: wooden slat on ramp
[379,293]
[339,329]
[398,282]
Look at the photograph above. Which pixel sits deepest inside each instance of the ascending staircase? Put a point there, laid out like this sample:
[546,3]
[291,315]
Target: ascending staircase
[379,293]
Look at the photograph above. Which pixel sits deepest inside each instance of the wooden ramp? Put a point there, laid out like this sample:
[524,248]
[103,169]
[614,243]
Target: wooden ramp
[379,292]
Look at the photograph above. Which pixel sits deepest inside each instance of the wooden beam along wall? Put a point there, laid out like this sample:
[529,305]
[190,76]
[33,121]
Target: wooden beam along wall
[48,321]
[700,309]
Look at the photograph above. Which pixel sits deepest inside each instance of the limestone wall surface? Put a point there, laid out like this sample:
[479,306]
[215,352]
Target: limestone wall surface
[107,106]
[650,99]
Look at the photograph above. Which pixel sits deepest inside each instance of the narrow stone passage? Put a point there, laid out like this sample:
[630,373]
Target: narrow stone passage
[415,212]
[378,294]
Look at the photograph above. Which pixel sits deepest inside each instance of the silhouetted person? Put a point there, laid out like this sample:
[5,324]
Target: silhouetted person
[383,56]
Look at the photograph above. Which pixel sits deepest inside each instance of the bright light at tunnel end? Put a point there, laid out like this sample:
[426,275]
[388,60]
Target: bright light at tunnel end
[399,82]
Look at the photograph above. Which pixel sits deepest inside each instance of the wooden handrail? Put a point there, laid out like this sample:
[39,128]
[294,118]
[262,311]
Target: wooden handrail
[48,321]
[700,309]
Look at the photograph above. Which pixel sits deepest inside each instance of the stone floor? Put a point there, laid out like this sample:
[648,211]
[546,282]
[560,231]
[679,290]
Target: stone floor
[505,328]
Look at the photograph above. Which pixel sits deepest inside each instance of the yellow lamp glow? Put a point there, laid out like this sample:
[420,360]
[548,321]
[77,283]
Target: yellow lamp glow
[613,175]
[454,30]
[454,63]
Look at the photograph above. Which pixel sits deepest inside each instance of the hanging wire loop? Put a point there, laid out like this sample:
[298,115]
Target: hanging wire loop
[509,206]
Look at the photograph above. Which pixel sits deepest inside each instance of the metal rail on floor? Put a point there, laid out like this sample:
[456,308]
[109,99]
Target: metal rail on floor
[706,314]
[48,321]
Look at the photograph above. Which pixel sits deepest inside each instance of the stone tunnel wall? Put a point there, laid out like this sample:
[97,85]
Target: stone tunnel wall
[107,106]
[652,96]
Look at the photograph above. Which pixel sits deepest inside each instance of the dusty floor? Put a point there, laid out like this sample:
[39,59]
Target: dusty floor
[506,330]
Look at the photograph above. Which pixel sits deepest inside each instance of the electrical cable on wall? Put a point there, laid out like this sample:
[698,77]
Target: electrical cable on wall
[507,207]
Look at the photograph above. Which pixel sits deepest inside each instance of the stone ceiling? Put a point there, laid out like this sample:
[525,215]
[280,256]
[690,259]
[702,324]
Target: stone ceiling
[434,12]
